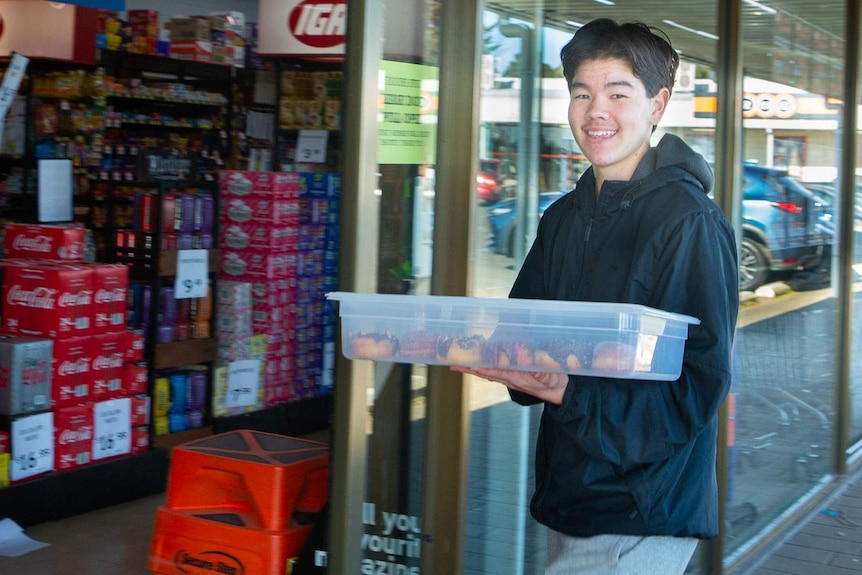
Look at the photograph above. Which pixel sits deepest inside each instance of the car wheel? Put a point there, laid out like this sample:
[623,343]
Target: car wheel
[753,265]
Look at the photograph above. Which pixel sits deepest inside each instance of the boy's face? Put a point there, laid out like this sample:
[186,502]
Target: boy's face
[612,117]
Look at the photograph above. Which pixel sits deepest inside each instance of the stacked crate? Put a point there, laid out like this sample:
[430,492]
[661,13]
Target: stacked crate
[241,499]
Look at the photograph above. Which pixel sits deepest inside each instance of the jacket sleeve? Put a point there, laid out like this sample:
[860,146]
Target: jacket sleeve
[530,284]
[632,422]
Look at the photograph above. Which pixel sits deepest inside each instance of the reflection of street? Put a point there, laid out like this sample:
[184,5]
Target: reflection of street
[493,273]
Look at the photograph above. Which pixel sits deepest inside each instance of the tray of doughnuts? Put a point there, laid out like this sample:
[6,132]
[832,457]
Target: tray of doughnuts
[601,339]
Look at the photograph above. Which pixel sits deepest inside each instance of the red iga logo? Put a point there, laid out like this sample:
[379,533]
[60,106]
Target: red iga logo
[318,23]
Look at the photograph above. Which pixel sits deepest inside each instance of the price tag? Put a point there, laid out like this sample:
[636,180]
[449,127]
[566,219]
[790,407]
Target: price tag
[112,428]
[243,382]
[192,273]
[311,146]
[11,81]
[32,445]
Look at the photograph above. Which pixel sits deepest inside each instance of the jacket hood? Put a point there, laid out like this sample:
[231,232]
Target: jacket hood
[671,160]
[673,151]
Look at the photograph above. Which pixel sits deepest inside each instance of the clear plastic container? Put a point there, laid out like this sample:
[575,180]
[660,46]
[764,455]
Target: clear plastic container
[586,338]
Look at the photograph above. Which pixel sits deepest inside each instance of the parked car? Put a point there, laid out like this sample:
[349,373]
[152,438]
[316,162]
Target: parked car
[501,218]
[785,226]
[494,181]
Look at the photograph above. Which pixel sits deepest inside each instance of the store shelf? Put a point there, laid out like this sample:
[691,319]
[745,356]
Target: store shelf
[168,262]
[188,352]
[173,439]
[62,494]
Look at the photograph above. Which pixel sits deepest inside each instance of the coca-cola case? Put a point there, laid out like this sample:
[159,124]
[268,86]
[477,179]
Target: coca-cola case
[108,366]
[110,297]
[52,242]
[73,436]
[72,381]
[25,374]
[48,299]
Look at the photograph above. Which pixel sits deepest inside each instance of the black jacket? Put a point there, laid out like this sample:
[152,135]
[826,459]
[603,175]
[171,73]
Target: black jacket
[637,457]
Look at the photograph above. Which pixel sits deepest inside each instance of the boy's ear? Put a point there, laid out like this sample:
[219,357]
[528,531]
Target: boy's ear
[659,105]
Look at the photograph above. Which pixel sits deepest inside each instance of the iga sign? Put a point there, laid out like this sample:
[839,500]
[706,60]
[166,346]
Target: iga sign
[302,27]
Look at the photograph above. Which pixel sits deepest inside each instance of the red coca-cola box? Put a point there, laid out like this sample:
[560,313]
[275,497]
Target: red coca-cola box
[73,436]
[41,241]
[110,297]
[72,381]
[140,410]
[135,342]
[136,379]
[48,299]
[140,439]
[108,365]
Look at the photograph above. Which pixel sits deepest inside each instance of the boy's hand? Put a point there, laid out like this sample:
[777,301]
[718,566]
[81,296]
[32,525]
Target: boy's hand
[548,387]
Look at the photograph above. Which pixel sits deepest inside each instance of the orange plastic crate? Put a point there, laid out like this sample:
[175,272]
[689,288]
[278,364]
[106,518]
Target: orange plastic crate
[209,542]
[261,478]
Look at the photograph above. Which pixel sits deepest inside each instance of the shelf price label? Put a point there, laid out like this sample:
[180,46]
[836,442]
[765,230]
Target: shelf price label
[11,81]
[192,272]
[32,440]
[311,146]
[112,428]
[243,382]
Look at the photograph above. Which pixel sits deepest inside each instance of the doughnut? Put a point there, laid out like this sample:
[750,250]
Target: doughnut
[463,350]
[563,355]
[373,345]
[418,346]
[510,354]
[613,356]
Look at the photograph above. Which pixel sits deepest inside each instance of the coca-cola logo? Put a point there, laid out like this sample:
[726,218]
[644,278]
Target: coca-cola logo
[40,244]
[68,436]
[41,297]
[318,23]
[104,296]
[81,298]
[81,365]
[107,362]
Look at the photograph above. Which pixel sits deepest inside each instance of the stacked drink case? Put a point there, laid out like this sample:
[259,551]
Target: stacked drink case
[179,400]
[278,232]
[236,342]
[65,349]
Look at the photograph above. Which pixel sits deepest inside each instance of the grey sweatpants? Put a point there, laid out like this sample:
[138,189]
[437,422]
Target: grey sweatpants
[618,555]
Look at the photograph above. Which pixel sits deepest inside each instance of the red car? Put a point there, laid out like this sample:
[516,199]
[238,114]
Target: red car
[486,181]
[492,183]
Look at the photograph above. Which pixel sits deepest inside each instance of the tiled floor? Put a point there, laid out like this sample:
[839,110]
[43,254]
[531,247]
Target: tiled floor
[114,540]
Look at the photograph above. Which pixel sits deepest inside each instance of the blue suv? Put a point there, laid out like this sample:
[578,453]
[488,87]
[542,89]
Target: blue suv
[785,226]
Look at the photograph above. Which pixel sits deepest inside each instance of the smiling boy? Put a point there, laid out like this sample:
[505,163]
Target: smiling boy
[625,469]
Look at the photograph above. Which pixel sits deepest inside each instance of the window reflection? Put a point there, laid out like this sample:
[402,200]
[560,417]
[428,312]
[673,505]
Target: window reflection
[784,380]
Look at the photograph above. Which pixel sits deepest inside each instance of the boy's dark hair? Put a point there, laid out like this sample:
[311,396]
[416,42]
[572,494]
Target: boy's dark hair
[646,49]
